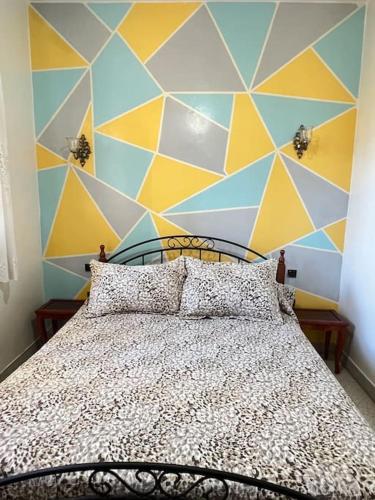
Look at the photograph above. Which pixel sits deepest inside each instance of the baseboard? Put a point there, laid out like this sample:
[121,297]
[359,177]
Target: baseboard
[359,376]
[24,356]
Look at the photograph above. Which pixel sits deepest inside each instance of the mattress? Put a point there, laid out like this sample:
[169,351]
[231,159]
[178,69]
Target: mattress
[231,394]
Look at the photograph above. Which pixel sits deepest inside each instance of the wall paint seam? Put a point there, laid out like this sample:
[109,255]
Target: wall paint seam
[229,53]
[57,32]
[310,46]
[61,106]
[44,250]
[265,42]
[148,58]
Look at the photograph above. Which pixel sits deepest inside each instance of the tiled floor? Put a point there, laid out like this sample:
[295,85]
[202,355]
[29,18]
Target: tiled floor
[359,397]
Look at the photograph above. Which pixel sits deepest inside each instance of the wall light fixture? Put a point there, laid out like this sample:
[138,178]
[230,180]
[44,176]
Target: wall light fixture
[80,148]
[302,139]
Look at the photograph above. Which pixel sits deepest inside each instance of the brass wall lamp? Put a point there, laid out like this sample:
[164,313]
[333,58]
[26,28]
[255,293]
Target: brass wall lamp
[302,139]
[80,148]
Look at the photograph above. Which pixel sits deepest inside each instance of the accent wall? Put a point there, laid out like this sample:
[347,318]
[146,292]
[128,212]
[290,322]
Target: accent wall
[190,109]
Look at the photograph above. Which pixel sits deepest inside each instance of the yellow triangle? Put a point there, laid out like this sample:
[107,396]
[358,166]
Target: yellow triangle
[83,293]
[310,301]
[170,182]
[48,49]
[331,152]
[306,76]
[282,217]
[140,126]
[79,226]
[148,25]
[46,158]
[87,130]
[336,232]
[248,139]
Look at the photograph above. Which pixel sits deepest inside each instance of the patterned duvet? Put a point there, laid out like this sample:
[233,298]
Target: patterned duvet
[230,394]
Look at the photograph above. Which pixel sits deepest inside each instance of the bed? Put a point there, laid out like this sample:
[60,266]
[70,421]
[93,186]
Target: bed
[159,406]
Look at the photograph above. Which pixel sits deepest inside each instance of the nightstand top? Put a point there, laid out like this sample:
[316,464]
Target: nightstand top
[324,317]
[60,305]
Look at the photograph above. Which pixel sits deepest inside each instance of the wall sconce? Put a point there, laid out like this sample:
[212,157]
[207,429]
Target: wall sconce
[302,140]
[80,148]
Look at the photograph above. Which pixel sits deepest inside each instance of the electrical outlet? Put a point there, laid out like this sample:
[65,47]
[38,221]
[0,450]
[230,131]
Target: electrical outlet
[292,273]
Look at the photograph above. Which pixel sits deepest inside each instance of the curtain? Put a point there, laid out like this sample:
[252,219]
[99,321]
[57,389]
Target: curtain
[8,261]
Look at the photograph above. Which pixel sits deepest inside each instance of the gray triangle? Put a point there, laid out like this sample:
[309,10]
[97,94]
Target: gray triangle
[295,27]
[76,264]
[324,202]
[195,59]
[77,24]
[234,225]
[68,120]
[121,212]
[180,141]
[318,271]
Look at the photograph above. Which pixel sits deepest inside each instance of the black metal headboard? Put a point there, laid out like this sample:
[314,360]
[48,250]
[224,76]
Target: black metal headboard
[183,244]
[130,480]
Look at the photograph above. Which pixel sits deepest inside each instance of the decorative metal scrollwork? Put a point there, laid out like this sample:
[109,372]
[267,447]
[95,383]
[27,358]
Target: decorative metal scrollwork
[140,480]
[190,242]
[160,484]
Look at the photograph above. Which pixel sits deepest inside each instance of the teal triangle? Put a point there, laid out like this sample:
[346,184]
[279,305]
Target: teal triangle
[317,240]
[217,107]
[110,13]
[50,88]
[60,284]
[121,165]
[283,115]
[144,230]
[50,183]
[244,27]
[242,189]
[341,49]
[120,82]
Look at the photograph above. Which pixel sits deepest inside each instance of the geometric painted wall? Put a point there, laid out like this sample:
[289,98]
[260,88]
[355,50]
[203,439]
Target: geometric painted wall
[190,109]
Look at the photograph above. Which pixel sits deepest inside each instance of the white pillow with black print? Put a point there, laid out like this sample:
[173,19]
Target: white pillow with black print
[287,295]
[228,289]
[119,288]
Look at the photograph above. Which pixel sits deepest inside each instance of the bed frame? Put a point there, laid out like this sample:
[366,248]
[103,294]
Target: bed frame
[130,480]
[197,245]
[155,480]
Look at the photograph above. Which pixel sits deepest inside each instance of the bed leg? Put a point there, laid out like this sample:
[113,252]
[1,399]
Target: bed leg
[41,328]
[339,349]
[327,343]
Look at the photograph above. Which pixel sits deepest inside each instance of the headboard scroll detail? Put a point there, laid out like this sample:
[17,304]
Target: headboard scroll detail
[182,243]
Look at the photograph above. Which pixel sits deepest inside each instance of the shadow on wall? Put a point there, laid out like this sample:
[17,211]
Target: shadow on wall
[5,291]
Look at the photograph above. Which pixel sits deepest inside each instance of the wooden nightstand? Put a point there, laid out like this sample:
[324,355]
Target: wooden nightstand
[326,321]
[55,310]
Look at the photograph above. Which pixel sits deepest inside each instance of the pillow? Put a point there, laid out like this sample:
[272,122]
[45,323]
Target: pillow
[228,289]
[286,295]
[119,288]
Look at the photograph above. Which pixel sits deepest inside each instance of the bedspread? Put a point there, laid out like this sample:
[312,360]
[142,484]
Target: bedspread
[229,394]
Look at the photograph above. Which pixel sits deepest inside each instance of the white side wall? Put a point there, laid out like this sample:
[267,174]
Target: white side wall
[20,298]
[358,275]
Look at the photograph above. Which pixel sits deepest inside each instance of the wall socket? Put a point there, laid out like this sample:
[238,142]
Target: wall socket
[292,273]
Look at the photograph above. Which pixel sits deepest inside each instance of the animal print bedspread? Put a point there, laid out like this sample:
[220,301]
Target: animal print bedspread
[229,394]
